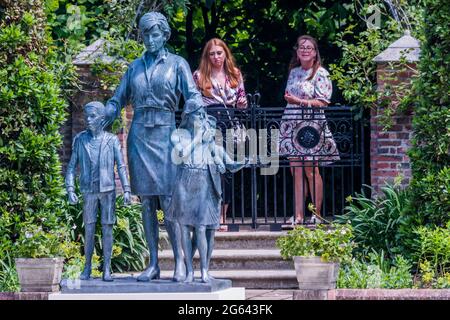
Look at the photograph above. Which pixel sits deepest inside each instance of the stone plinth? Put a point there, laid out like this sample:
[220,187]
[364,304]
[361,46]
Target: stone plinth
[130,285]
[227,294]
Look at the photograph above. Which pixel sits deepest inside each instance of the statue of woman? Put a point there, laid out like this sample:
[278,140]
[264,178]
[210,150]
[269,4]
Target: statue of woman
[153,85]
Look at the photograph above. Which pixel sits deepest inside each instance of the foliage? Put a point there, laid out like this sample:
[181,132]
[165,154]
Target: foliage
[123,51]
[433,194]
[261,35]
[31,112]
[9,280]
[330,243]
[427,277]
[355,74]
[75,261]
[76,23]
[129,248]
[376,222]
[253,29]
[33,242]
[375,272]
[433,253]
[430,154]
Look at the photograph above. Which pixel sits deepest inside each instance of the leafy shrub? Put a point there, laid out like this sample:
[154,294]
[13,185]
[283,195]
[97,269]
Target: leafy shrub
[430,156]
[32,110]
[33,242]
[433,255]
[431,197]
[74,262]
[9,280]
[376,222]
[375,272]
[427,277]
[330,243]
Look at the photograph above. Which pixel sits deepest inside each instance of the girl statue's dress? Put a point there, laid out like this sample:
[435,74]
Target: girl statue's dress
[197,193]
[196,198]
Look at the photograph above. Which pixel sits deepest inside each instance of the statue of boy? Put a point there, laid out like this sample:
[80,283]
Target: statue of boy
[96,151]
[197,195]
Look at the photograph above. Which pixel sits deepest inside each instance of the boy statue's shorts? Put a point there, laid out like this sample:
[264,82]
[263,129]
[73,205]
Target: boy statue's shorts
[107,203]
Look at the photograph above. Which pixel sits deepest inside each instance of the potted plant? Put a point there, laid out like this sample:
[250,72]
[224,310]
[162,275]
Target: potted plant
[39,261]
[317,253]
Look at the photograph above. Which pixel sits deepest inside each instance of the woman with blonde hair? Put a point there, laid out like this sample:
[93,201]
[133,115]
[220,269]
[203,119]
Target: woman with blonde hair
[221,84]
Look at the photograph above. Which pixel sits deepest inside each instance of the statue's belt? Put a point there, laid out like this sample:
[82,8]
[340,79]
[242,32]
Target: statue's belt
[151,116]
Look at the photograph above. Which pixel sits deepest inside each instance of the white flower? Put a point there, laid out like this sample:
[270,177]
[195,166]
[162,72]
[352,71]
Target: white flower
[28,234]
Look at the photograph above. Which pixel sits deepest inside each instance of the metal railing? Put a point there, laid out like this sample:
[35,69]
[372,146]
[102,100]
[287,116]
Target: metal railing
[263,192]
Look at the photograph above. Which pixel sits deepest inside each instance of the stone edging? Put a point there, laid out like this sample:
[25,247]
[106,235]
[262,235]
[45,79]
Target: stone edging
[24,295]
[373,294]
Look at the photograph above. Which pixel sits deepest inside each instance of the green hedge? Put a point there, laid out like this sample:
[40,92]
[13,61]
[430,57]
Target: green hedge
[31,113]
[430,154]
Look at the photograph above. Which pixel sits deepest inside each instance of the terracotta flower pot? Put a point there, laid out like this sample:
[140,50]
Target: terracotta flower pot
[39,274]
[314,274]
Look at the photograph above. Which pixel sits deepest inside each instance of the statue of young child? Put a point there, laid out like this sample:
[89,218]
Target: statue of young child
[197,194]
[95,152]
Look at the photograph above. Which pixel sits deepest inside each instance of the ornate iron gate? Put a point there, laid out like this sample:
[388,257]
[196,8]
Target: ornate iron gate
[262,195]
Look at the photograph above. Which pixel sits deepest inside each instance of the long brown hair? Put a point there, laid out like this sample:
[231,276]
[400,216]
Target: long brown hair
[205,68]
[295,61]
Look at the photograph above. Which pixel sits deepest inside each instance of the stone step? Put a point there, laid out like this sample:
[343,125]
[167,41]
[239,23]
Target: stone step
[242,240]
[232,259]
[252,279]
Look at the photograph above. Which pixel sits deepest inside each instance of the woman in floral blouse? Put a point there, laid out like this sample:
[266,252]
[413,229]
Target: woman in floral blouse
[221,85]
[304,135]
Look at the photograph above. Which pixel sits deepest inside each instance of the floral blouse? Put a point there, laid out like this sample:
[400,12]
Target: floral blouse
[319,87]
[227,95]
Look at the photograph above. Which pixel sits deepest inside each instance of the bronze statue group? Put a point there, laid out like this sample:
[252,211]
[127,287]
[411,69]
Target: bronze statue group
[180,167]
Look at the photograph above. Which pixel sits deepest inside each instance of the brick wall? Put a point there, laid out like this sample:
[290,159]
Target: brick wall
[388,149]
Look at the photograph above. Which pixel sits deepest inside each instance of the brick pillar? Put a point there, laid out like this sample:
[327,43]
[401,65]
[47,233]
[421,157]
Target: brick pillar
[388,148]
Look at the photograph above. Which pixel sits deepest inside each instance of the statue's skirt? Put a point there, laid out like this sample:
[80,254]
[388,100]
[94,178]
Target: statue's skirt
[152,171]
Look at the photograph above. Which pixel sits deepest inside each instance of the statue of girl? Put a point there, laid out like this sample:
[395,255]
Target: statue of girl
[197,195]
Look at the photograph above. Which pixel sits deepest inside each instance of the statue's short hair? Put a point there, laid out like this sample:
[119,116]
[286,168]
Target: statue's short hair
[96,105]
[153,18]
